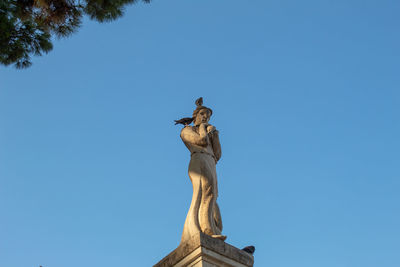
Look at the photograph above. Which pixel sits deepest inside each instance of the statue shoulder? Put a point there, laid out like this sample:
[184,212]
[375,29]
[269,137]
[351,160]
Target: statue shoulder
[187,128]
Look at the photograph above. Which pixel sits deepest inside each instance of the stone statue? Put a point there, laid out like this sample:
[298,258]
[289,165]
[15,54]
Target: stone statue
[202,140]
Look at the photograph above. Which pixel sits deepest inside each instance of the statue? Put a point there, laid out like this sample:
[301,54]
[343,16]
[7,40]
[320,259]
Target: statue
[202,140]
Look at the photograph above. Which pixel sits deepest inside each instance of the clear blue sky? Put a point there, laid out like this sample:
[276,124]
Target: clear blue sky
[306,96]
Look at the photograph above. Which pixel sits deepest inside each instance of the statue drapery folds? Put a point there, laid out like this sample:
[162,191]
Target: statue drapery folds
[202,140]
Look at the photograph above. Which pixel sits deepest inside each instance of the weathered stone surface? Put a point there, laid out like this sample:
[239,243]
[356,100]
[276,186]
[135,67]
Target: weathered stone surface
[202,140]
[204,251]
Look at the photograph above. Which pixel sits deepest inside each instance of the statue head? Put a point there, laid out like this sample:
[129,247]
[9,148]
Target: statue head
[200,115]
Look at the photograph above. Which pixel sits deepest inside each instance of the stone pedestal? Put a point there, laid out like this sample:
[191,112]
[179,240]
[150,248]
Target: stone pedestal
[204,251]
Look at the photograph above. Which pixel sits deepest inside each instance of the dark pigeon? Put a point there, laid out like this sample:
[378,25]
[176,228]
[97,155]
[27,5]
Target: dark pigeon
[184,121]
[249,249]
[199,101]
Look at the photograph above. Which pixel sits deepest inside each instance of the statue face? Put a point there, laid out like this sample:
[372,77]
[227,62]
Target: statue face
[203,116]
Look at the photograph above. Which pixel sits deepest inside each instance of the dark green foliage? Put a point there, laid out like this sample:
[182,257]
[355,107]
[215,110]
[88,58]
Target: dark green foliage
[107,10]
[26,26]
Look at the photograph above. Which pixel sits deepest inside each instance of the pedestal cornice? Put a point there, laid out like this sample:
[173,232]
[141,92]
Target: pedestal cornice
[203,250]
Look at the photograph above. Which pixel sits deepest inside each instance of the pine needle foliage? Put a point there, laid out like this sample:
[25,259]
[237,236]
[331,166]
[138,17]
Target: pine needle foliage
[27,26]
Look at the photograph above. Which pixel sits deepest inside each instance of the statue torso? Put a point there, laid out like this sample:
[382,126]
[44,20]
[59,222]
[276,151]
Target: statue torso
[194,148]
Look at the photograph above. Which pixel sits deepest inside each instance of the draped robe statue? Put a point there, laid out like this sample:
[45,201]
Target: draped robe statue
[202,140]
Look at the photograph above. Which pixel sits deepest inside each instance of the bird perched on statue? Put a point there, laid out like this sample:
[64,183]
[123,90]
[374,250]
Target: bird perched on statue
[249,249]
[184,121]
[199,101]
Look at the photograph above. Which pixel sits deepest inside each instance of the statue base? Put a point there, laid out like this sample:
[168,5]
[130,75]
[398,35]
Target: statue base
[204,251]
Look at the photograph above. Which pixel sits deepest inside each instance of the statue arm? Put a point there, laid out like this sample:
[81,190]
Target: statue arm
[216,145]
[190,136]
